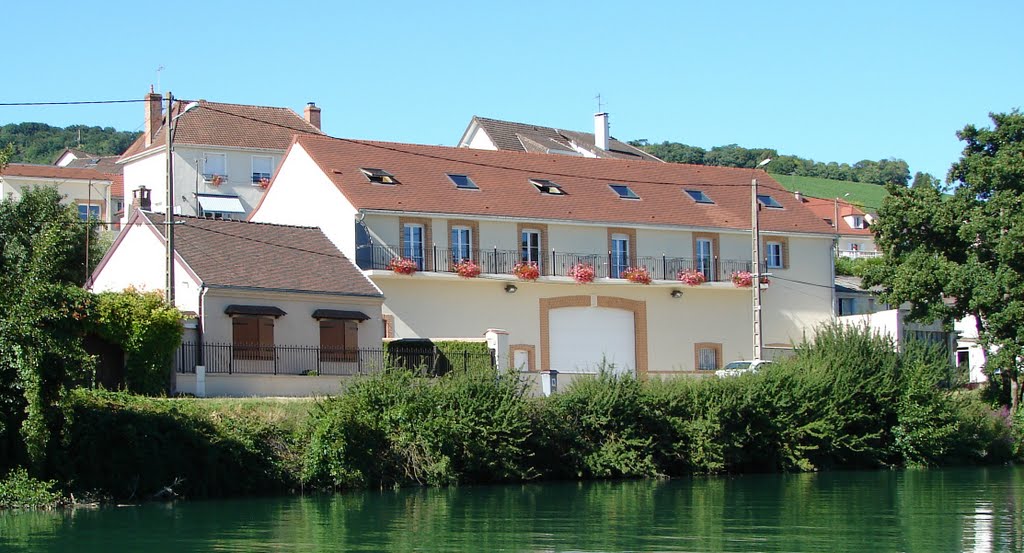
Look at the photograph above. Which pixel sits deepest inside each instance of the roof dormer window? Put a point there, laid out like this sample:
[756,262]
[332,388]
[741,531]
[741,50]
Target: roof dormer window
[624,192]
[463,182]
[699,196]
[768,201]
[378,176]
[546,186]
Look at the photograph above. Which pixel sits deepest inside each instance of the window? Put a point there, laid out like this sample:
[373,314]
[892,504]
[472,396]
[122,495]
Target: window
[548,187]
[412,244]
[379,176]
[699,197]
[768,201]
[858,222]
[624,192]
[704,254]
[773,255]
[215,165]
[620,255]
[530,246]
[87,212]
[464,182]
[339,340]
[262,169]
[707,356]
[461,244]
[252,337]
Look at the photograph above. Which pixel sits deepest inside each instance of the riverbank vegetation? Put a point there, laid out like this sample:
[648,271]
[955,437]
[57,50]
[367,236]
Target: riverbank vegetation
[849,401]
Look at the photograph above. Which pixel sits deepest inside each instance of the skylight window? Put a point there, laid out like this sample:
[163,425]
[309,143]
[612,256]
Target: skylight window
[699,196]
[768,201]
[624,192]
[463,181]
[548,187]
[379,176]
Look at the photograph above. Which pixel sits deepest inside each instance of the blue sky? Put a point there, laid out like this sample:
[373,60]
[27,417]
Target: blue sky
[832,81]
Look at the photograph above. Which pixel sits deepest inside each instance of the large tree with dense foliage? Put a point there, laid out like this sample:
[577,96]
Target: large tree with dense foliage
[964,255]
[41,143]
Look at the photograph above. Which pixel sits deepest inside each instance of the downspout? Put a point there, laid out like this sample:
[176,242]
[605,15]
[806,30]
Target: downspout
[832,263]
[199,324]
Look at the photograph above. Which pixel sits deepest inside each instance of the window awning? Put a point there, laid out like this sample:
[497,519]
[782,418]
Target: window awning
[267,310]
[220,203]
[340,315]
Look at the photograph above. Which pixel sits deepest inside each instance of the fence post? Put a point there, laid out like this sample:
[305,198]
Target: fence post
[664,267]
[497,341]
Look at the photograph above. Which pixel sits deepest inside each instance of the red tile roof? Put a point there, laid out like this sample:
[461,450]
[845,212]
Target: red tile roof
[505,190]
[28,170]
[826,209]
[230,125]
[264,256]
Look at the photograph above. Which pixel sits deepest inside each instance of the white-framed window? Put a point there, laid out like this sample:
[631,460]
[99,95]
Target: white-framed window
[858,222]
[215,165]
[89,211]
[530,246]
[773,255]
[262,168]
[620,255]
[708,356]
[462,240]
[705,258]
[412,243]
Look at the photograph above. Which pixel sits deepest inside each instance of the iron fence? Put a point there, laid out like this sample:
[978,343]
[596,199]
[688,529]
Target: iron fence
[319,361]
[552,263]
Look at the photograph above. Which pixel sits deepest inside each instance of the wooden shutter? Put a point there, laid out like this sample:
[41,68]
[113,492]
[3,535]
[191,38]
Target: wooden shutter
[351,340]
[245,335]
[266,340]
[332,340]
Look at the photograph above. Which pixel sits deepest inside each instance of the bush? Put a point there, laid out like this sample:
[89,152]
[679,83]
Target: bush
[19,490]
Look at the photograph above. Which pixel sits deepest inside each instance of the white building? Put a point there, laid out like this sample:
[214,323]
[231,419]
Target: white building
[88,189]
[436,206]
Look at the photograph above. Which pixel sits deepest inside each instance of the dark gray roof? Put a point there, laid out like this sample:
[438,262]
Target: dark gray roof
[523,137]
[853,285]
[264,256]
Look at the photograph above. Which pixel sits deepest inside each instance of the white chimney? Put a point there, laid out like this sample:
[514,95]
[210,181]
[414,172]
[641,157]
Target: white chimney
[601,130]
[799,197]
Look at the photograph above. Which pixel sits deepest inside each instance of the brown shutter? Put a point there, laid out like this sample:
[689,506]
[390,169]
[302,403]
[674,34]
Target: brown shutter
[332,340]
[266,342]
[351,340]
[244,335]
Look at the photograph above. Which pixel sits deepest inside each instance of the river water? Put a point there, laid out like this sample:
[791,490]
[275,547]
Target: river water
[978,510]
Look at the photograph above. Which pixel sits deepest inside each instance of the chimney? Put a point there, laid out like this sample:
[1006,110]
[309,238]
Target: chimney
[799,197]
[601,130]
[154,112]
[140,200]
[313,114]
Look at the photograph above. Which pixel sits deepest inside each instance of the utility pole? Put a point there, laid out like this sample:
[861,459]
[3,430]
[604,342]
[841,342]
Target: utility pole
[755,242]
[169,207]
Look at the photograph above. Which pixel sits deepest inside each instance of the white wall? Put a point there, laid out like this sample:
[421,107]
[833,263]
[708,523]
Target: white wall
[302,195]
[75,191]
[149,171]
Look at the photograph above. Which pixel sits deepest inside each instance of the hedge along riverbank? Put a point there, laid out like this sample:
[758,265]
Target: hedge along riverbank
[849,401]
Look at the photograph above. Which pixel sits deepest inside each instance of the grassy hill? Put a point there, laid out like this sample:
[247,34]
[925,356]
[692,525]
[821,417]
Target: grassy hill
[864,194]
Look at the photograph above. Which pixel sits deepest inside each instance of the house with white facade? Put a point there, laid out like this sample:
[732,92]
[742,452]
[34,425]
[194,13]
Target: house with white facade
[461,240]
[88,189]
[494,134]
[851,225]
[273,310]
[79,159]
[224,154]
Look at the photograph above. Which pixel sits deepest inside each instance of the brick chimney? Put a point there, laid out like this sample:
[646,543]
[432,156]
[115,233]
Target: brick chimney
[140,200]
[313,114]
[154,115]
[601,130]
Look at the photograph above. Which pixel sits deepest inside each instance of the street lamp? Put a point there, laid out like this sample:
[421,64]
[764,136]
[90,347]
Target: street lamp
[755,239]
[169,208]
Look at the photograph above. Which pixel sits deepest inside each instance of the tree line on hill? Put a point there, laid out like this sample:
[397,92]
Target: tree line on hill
[42,143]
[883,171]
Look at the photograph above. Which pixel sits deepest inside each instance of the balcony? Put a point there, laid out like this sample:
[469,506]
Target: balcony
[552,264]
[858,254]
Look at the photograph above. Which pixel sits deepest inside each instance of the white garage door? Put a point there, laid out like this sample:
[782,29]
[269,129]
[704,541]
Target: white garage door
[581,337]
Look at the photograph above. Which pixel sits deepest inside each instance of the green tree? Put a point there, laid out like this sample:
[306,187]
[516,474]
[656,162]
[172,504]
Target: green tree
[964,255]
[6,153]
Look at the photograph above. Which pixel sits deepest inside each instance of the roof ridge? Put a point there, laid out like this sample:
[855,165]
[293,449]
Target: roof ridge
[218,221]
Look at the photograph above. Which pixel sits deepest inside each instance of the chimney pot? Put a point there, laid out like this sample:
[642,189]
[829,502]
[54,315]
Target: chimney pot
[312,114]
[601,130]
[140,200]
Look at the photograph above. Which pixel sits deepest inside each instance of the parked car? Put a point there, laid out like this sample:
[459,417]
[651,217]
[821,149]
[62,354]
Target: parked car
[738,368]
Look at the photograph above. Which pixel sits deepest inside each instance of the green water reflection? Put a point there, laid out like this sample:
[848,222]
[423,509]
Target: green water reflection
[977,510]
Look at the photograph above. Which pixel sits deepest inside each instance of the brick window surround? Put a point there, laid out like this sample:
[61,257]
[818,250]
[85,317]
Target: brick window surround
[474,236]
[428,239]
[715,253]
[784,241]
[717,347]
[631,234]
[531,363]
[544,260]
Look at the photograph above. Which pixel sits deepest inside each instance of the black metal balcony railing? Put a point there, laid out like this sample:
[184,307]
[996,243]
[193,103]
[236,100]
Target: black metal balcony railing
[552,263]
[320,361]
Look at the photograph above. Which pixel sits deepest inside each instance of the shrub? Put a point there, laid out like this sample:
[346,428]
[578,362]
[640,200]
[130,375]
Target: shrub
[19,490]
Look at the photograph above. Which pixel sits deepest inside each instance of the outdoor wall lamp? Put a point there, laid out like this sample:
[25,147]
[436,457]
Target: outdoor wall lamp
[511,288]
[677,294]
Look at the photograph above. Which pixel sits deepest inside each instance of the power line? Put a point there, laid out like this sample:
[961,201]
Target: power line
[75,103]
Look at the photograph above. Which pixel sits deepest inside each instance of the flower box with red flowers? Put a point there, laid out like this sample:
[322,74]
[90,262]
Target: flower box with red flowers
[526,270]
[745,279]
[691,277]
[637,275]
[467,269]
[403,265]
[582,273]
